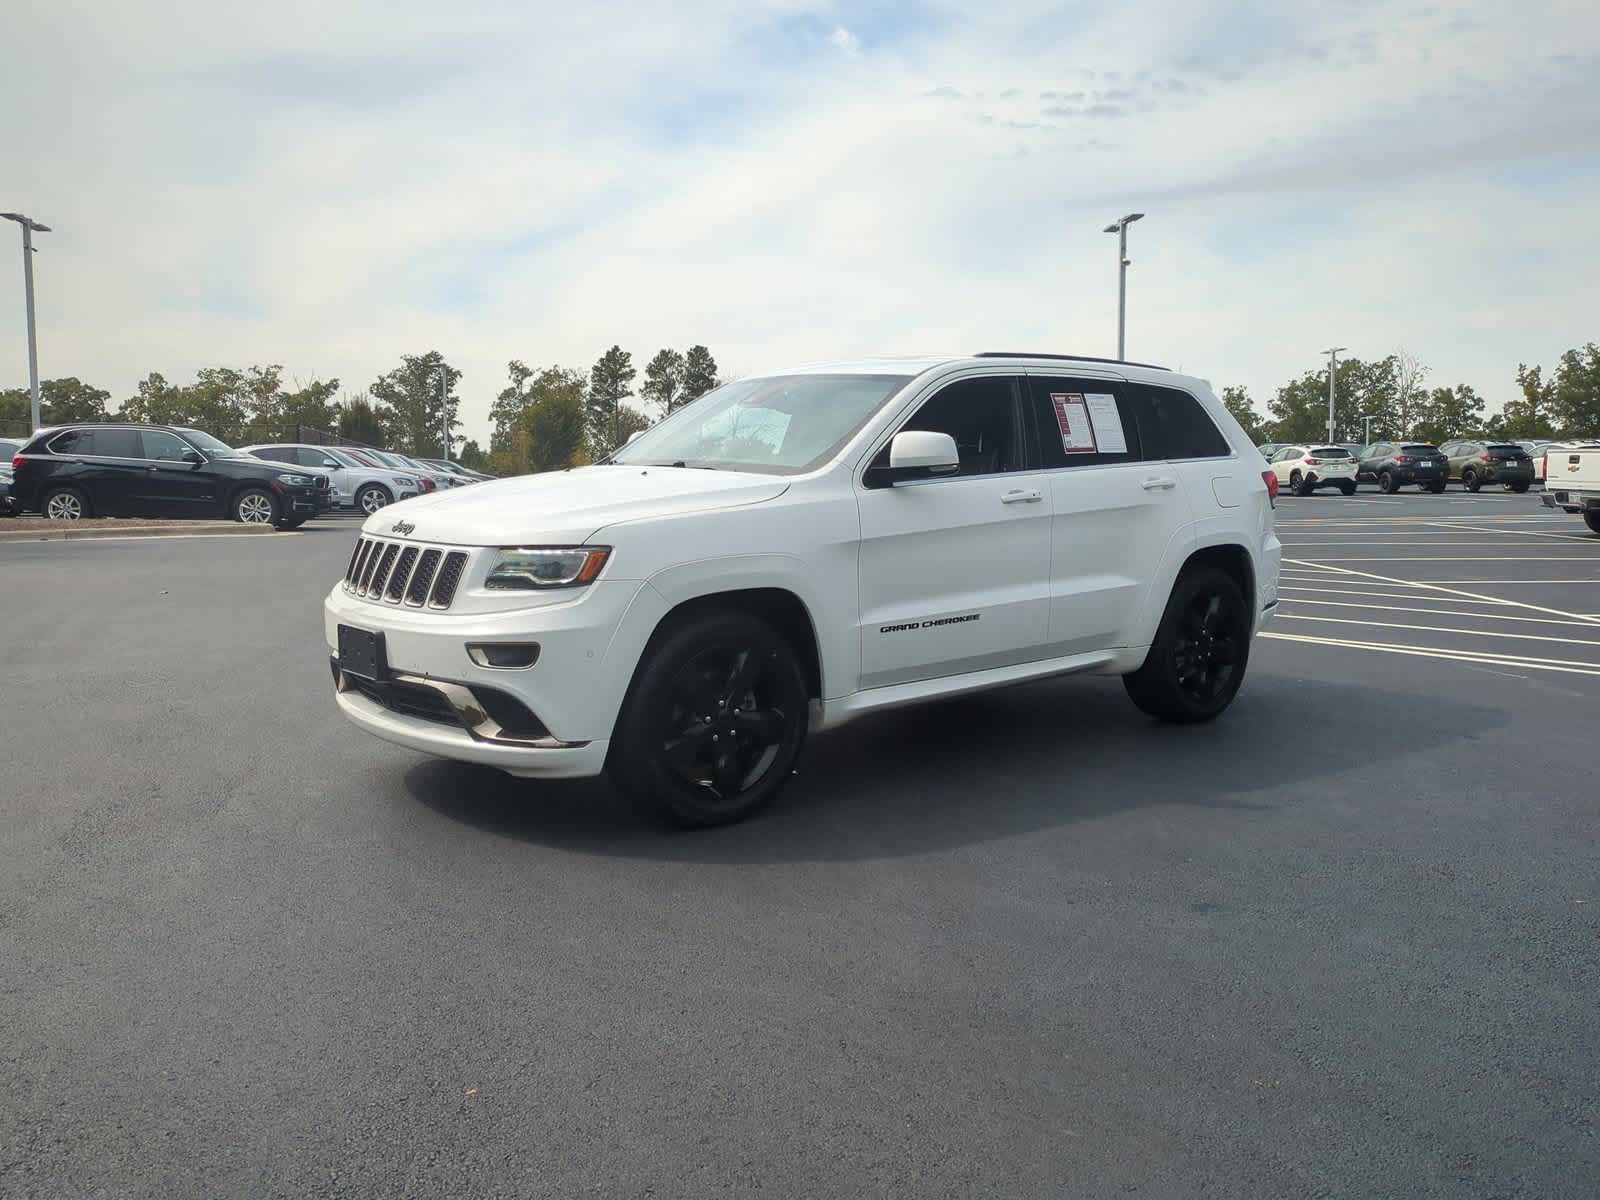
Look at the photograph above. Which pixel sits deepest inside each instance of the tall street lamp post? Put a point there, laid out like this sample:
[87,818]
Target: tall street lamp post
[29,228]
[1120,228]
[1333,353]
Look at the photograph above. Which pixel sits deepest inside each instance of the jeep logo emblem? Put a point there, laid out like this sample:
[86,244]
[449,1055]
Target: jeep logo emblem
[402,527]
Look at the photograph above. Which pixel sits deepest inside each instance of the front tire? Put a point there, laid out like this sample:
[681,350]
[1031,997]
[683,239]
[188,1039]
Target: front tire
[373,497]
[1198,660]
[1387,483]
[1470,480]
[254,506]
[65,504]
[714,721]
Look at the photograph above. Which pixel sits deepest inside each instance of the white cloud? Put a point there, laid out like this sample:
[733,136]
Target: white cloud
[332,186]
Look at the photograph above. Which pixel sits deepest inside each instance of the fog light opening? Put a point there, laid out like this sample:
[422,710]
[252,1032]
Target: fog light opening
[504,656]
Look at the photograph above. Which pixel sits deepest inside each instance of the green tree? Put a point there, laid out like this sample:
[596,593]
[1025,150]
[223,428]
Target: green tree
[472,456]
[699,374]
[663,381]
[309,406]
[1449,412]
[60,401]
[610,383]
[1237,401]
[1361,389]
[409,401]
[1576,401]
[510,405]
[556,425]
[1528,416]
[157,402]
[360,422]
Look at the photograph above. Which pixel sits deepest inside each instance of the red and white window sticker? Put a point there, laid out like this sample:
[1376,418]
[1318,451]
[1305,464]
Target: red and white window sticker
[1072,416]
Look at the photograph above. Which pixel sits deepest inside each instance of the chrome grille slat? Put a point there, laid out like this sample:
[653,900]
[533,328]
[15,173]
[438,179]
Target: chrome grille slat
[449,578]
[374,552]
[385,564]
[401,575]
[422,578]
[355,559]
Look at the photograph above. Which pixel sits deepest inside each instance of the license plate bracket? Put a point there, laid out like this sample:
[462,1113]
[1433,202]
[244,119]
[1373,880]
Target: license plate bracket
[362,653]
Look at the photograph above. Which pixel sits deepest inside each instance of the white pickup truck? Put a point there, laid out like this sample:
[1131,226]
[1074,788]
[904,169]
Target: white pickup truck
[1572,481]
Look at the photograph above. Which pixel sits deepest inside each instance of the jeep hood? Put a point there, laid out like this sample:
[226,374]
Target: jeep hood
[565,507]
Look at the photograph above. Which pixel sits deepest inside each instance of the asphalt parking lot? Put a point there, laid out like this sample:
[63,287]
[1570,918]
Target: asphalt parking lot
[1343,942]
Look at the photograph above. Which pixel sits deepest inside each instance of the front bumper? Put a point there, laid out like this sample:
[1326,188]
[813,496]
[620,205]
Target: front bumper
[1572,502]
[304,501]
[1508,474]
[588,646]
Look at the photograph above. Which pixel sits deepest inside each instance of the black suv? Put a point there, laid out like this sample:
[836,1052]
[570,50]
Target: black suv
[1395,464]
[159,471]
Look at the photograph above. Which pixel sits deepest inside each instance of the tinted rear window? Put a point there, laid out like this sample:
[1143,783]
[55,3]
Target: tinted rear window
[1330,452]
[1173,424]
[1506,450]
[1418,450]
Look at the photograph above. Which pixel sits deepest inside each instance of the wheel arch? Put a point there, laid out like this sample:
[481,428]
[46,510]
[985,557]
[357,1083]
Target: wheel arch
[778,607]
[1234,560]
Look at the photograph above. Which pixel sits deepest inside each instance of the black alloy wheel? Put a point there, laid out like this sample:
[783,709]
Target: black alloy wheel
[1386,483]
[1198,660]
[715,720]
[1470,480]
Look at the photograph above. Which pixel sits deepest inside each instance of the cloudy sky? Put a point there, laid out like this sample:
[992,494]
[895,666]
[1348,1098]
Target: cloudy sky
[328,186]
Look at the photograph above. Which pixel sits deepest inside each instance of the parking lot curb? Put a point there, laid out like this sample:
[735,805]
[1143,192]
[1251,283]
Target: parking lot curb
[183,528]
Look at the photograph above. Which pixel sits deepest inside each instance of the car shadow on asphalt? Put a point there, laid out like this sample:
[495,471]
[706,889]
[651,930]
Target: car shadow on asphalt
[974,769]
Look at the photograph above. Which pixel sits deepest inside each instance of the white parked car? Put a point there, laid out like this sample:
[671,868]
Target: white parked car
[355,484]
[803,547]
[1303,469]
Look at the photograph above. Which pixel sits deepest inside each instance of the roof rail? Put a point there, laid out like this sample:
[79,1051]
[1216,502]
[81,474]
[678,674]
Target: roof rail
[1116,362]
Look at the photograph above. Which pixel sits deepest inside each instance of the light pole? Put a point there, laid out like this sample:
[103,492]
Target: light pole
[29,228]
[1120,228]
[1333,353]
[444,412]
[1367,427]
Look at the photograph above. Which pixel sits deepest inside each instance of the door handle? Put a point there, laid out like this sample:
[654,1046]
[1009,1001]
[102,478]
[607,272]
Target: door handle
[152,468]
[1162,483]
[1022,497]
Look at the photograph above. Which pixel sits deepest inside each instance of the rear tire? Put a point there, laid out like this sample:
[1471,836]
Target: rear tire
[1436,487]
[1470,480]
[1387,484]
[254,506]
[714,721]
[1591,518]
[65,504]
[1349,489]
[1519,486]
[1198,660]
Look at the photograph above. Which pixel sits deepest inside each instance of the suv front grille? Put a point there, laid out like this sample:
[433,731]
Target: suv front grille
[404,573]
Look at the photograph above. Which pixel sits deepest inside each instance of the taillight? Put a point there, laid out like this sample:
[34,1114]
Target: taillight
[1271,479]
[1313,462]
[427,484]
[1401,458]
[16,462]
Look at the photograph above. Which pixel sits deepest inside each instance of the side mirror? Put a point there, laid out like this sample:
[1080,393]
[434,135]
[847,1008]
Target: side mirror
[633,436]
[330,464]
[193,457]
[917,454]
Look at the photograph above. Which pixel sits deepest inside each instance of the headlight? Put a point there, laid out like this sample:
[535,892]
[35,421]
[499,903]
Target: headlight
[405,481]
[531,568]
[295,480]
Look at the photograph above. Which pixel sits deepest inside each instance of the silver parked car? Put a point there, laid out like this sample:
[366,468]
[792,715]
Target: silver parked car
[356,484]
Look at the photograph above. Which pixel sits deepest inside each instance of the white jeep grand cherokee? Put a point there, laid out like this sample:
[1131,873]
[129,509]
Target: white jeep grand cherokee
[802,547]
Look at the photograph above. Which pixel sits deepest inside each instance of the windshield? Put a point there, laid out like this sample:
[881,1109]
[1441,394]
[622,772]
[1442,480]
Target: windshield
[212,447]
[781,424]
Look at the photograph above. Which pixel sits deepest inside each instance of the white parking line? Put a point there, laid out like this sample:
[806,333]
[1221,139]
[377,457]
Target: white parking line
[1432,612]
[1411,558]
[1494,633]
[1574,537]
[1481,658]
[1333,591]
[1445,588]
